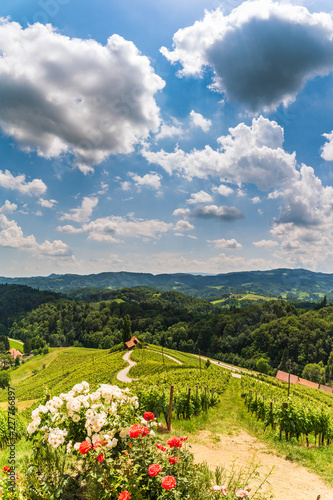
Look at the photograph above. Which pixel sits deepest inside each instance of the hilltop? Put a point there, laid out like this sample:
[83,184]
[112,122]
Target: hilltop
[287,283]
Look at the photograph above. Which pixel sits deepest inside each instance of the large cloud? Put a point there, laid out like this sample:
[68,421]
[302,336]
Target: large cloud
[59,94]
[261,54]
[114,229]
[305,223]
[11,236]
[249,154]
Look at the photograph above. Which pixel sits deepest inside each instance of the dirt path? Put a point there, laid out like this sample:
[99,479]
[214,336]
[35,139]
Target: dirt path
[122,375]
[289,481]
[166,355]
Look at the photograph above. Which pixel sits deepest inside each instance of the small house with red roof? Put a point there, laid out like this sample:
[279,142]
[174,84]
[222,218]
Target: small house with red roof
[284,377]
[132,343]
[14,353]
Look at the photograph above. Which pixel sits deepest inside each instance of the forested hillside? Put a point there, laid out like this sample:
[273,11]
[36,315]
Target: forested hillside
[16,300]
[286,283]
[274,330]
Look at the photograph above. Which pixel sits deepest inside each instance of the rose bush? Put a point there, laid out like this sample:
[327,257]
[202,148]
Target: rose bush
[90,445]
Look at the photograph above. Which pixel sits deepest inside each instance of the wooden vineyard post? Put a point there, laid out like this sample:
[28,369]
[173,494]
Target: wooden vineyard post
[205,399]
[48,397]
[170,408]
[188,403]
[271,406]
[285,404]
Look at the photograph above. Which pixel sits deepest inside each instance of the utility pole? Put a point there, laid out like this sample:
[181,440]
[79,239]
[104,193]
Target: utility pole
[289,367]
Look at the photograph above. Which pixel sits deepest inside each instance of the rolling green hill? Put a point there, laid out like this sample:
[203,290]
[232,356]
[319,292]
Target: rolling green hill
[273,283]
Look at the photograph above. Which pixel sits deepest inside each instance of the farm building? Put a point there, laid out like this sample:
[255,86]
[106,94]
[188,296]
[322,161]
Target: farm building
[14,353]
[132,343]
[284,377]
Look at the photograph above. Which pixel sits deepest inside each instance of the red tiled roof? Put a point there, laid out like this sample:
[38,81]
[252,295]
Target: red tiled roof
[284,377]
[307,383]
[326,389]
[132,343]
[14,353]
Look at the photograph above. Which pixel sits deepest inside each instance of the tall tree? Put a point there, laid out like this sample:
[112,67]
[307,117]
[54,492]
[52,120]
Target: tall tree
[126,329]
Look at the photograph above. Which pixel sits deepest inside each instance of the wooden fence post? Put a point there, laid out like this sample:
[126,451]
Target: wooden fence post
[188,403]
[170,408]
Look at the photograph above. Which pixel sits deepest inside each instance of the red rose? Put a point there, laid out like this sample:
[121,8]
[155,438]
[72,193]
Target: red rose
[154,469]
[160,447]
[85,446]
[184,439]
[6,469]
[174,442]
[124,495]
[135,430]
[100,458]
[173,460]
[99,443]
[148,415]
[168,482]
[145,431]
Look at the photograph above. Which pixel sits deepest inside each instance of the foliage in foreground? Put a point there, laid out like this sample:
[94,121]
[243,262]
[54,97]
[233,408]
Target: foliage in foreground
[90,445]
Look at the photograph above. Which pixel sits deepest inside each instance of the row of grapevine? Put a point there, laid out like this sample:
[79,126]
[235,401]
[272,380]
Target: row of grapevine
[291,417]
[192,393]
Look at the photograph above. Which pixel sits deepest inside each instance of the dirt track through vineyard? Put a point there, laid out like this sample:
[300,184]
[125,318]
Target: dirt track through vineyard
[289,481]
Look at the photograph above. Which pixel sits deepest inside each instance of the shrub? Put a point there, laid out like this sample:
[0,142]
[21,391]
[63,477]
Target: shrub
[90,445]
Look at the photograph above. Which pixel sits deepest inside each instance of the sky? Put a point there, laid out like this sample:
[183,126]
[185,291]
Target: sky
[172,136]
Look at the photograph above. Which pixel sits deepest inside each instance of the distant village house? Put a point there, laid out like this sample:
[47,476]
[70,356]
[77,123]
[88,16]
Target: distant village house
[14,353]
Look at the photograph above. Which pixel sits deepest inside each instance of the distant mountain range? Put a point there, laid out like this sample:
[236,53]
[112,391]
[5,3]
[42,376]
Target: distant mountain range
[286,283]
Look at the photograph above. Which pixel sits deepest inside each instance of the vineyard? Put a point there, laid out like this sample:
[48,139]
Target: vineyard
[302,415]
[188,393]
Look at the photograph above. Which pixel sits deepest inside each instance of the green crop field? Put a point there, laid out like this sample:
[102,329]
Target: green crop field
[15,344]
[59,370]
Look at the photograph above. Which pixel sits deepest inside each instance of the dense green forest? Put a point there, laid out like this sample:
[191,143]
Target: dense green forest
[274,330]
[16,300]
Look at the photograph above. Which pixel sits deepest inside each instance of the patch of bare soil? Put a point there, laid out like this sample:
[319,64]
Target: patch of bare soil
[289,481]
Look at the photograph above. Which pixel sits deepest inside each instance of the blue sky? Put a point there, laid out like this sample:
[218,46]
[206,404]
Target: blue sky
[190,136]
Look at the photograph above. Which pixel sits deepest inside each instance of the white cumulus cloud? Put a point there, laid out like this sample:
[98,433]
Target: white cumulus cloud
[18,183]
[82,213]
[248,154]
[198,120]
[62,94]
[265,244]
[151,180]
[226,244]
[47,203]
[8,207]
[223,190]
[200,197]
[261,54]
[11,235]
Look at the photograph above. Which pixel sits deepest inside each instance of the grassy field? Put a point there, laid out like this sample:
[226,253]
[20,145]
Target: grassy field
[16,344]
[246,296]
[59,370]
